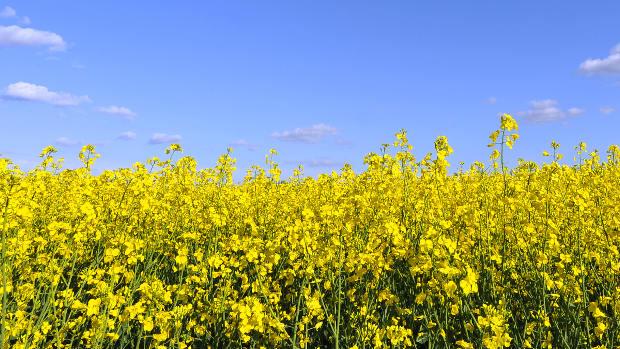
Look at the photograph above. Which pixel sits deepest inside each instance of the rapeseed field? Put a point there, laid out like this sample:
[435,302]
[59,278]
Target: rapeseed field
[406,254]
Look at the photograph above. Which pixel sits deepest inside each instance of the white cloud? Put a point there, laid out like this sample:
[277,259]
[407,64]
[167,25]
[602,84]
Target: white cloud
[242,143]
[607,65]
[548,110]
[575,111]
[116,110]
[8,12]
[127,136]
[159,138]
[64,141]
[37,93]
[312,134]
[607,110]
[26,20]
[14,35]
[490,100]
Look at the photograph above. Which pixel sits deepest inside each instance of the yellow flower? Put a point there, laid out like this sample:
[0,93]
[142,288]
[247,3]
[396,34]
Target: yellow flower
[160,337]
[469,284]
[595,310]
[450,287]
[508,123]
[464,344]
[46,327]
[181,260]
[93,307]
[110,254]
[600,328]
[454,309]
[148,324]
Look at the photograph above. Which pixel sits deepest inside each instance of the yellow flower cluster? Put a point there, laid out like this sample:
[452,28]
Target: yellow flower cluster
[405,254]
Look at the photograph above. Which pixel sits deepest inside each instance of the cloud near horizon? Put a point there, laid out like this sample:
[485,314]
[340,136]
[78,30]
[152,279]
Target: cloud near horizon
[14,35]
[64,141]
[547,110]
[24,91]
[159,138]
[242,143]
[490,100]
[312,134]
[117,110]
[127,136]
[575,111]
[607,110]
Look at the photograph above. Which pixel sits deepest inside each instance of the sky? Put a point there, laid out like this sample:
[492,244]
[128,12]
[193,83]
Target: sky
[323,82]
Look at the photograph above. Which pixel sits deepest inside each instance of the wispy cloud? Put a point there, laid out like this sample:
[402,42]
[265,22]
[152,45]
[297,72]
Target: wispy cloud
[548,110]
[607,65]
[127,136]
[25,91]
[312,134]
[67,142]
[490,100]
[242,143]
[159,138]
[14,35]
[575,111]
[118,111]
[607,110]
[8,12]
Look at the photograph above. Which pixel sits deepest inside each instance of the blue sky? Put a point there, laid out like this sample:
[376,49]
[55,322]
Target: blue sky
[323,82]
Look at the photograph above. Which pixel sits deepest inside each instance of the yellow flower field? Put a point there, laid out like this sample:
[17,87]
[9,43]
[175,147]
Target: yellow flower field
[406,254]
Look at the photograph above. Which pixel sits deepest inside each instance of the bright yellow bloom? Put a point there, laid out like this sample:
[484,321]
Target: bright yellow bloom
[93,307]
[469,284]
